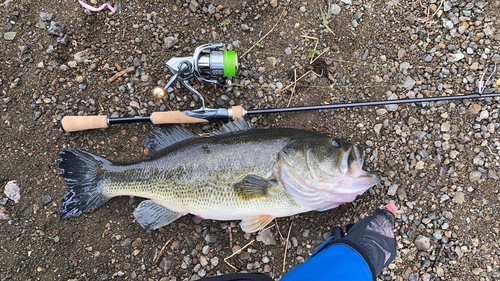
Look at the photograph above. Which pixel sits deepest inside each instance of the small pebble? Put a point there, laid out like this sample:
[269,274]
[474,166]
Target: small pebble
[12,191]
[335,9]
[46,199]
[45,16]
[210,238]
[9,36]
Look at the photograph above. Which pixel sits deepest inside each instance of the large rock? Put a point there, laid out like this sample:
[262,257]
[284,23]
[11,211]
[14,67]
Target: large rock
[83,55]
[45,16]
[408,83]
[475,176]
[56,29]
[459,197]
[12,191]
[422,243]
[9,36]
[335,9]
[170,42]
[266,237]
[496,58]
[194,6]
[167,264]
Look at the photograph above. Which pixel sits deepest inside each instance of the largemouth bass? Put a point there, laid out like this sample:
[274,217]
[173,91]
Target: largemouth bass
[236,174]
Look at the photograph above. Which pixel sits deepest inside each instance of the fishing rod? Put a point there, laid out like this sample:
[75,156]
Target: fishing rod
[209,64]
[80,123]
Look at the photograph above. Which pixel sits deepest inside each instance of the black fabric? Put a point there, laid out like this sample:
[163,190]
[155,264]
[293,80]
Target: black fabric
[337,233]
[240,277]
[373,238]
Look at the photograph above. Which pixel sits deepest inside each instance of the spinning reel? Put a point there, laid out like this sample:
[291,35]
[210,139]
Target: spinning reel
[208,64]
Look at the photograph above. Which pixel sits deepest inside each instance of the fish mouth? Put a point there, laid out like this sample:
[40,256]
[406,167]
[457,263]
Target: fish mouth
[352,165]
[355,161]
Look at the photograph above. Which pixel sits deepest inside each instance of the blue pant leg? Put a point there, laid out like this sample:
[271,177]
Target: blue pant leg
[332,262]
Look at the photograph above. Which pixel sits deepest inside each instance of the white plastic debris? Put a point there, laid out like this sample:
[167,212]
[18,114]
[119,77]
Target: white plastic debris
[12,191]
[93,9]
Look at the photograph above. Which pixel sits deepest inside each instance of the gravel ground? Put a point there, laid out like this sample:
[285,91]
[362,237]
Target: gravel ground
[439,161]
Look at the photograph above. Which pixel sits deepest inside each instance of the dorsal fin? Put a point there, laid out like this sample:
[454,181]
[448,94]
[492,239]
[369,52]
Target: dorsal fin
[159,139]
[238,125]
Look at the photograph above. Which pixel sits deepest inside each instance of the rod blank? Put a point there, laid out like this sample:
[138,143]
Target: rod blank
[368,103]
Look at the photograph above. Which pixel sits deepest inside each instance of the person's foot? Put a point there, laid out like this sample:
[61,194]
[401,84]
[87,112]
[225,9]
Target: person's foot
[391,208]
[373,237]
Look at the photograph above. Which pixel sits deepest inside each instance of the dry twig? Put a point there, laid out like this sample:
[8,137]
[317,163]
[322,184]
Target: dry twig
[428,18]
[286,247]
[230,237]
[278,228]
[296,80]
[119,74]
[324,51]
[309,37]
[161,252]
[264,35]
[237,252]
[266,228]
[315,45]
[438,256]
[491,151]
[294,85]
[425,7]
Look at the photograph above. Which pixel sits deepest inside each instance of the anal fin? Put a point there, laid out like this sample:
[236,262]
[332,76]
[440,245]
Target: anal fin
[153,216]
[255,223]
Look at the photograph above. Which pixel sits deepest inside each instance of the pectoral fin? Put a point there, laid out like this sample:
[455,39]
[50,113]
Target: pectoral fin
[252,187]
[255,223]
[153,216]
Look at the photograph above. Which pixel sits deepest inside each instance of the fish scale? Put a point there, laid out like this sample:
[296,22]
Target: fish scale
[241,174]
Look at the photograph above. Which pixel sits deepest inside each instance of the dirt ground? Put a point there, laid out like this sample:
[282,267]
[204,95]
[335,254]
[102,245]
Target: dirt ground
[447,227]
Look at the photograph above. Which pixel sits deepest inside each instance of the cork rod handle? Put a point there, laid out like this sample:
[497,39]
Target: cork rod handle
[174,117]
[80,123]
[238,112]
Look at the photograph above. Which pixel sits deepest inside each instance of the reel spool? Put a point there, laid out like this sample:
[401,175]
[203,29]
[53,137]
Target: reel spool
[218,64]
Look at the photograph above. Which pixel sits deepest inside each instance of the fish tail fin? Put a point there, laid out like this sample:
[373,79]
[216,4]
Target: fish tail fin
[83,173]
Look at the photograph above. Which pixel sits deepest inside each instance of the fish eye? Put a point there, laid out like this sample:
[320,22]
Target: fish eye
[335,143]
